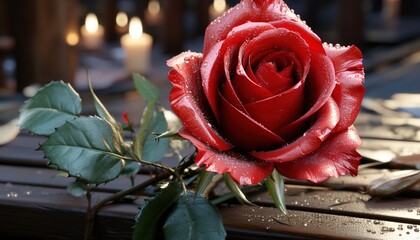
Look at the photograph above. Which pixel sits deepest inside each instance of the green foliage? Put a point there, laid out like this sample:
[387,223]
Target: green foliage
[131,168]
[51,107]
[100,108]
[234,188]
[194,218]
[203,181]
[77,188]
[275,186]
[146,89]
[151,215]
[87,148]
[146,146]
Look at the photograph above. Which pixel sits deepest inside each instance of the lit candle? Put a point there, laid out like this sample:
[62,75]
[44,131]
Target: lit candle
[137,47]
[217,9]
[92,33]
[153,14]
[121,21]
[72,39]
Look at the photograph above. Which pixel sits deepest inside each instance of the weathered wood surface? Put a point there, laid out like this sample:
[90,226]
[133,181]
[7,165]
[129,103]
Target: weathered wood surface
[34,204]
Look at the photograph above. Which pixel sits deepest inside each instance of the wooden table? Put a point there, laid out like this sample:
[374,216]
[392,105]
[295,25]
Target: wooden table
[34,203]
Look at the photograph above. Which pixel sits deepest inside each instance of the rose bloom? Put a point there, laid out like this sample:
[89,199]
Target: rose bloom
[267,93]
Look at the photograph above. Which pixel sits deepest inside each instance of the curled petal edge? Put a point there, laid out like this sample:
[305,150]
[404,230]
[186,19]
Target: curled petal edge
[336,157]
[243,168]
[328,117]
[188,101]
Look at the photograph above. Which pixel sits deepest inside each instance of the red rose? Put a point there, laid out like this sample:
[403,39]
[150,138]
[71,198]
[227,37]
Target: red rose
[265,94]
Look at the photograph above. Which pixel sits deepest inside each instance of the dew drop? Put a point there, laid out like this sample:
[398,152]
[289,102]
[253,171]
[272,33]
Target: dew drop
[12,195]
[376,222]
[387,229]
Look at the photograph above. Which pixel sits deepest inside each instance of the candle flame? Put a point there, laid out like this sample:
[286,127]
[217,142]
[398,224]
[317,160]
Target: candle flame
[121,19]
[135,28]
[219,5]
[72,39]
[91,23]
[153,7]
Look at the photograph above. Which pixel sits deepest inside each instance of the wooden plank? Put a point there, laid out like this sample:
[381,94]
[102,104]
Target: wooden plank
[48,213]
[45,177]
[29,212]
[378,127]
[243,222]
[347,203]
[358,183]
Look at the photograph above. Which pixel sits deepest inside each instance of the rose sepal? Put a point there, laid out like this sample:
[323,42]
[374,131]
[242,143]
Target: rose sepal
[276,189]
[236,190]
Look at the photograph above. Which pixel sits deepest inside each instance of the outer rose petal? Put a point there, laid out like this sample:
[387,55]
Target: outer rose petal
[337,156]
[320,83]
[350,77]
[310,37]
[328,117]
[188,101]
[245,11]
[243,168]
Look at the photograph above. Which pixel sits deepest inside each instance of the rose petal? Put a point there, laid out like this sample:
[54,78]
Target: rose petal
[245,11]
[271,42]
[273,80]
[213,65]
[280,41]
[350,77]
[325,121]
[313,41]
[227,90]
[244,132]
[337,156]
[276,112]
[243,168]
[247,90]
[188,101]
[320,84]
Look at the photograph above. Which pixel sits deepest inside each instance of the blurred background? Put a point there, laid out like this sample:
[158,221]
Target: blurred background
[47,40]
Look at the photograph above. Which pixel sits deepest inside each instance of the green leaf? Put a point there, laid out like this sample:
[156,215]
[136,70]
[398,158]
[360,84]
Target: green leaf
[141,136]
[146,145]
[51,107]
[234,188]
[150,216]
[275,186]
[131,168]
[87,148]
[77,188]
[146,89]
[203,181]
[194,218]
[99,106]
